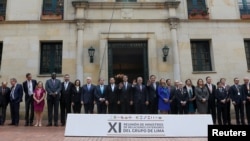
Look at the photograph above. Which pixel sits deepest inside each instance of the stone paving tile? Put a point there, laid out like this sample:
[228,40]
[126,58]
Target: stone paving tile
[31,133]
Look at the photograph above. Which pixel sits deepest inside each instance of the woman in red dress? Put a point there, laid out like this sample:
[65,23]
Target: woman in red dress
[39,96]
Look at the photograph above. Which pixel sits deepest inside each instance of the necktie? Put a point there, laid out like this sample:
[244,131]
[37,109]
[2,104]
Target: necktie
[125,85]
[101,87]
[141,87]
[154,86]
[88,87]
[210,88]
[112,87]
[12,93]
[65,85]
[53,82]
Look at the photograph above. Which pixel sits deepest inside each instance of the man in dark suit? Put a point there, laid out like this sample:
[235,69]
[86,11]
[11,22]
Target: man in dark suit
[246,88]
[172,90]
[238,95]
[16,96]
[112,96]
[87,98]
[140,96]
[53,87]
[4,100]
[28,87]
[182,98]
[228,101]
[65,98]
[101,96]
[238,100]
[152,87]
[211,100]
[221,96]
[125,97]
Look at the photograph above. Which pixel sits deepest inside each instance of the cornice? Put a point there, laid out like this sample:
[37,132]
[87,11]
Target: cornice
[126,5]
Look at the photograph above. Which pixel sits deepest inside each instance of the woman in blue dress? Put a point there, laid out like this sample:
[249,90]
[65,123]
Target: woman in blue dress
[163,92]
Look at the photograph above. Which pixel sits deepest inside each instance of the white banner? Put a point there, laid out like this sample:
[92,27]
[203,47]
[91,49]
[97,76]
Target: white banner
[126,125]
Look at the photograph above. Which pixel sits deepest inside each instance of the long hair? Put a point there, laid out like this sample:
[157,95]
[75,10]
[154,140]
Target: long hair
[201,81]
[78,81]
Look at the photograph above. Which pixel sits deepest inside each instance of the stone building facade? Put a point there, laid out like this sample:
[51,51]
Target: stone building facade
[204,38]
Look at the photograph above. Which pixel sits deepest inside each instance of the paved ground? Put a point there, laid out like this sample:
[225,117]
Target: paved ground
[31,133]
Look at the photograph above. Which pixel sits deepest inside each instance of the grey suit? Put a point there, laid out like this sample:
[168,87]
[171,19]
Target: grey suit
[53,96]
[200,94]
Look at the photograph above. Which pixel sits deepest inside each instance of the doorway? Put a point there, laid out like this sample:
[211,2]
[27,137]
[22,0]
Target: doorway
[128,58]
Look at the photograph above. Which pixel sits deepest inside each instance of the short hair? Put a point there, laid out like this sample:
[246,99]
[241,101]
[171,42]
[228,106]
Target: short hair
[66,75]
[168,80]
[13,79]
[89,78]
[152,76]
[222,79]
[28,74]
[208,77]
[236,78]
[218,83]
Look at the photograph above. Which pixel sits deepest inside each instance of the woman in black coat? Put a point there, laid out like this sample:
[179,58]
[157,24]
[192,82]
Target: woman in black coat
[76,96]
[190,88]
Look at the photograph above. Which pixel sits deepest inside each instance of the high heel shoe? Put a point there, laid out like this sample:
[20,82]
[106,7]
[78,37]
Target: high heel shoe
[36,124]
[40,124]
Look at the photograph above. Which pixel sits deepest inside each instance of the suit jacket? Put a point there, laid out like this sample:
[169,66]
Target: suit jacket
[211,94]
[26,89]
[53,88]
[126,94]
[152,92]
[4,97]
[140,96]
[76,95]
[237,94]
[194,95]
[112,96]
[172,93]
[201,93]
[98,94]
[66,94]
[17,92]
[220,95]
[181,95]
[88,95]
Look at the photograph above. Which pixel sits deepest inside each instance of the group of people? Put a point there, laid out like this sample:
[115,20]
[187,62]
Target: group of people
[123,97]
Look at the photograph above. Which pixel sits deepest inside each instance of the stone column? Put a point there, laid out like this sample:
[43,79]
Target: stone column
[79,51]
[173,22]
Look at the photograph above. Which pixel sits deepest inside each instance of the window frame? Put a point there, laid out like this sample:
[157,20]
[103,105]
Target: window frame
[51,53]
[247,52]
[194,7]
[52,7]
[244,7]
[3,9]
[1,54]
[125,0]
[197,64]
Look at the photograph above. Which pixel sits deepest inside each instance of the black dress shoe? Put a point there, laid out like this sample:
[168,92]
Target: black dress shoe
[11,124]
[31,124]
[26,124]
[56,124]
[63,124]
[49,124]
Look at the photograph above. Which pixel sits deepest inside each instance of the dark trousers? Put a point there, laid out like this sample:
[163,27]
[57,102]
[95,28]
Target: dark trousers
[14,111]
[2,114]
[29,109]
[140,107]
[125,107]
[174,107]
[153,106]
[248,112]
[77,107]
[101,108]
[89,108]
[239,113]
[228,114]
[183,109]
[212,109]
[65,108]
[222,113]
[53,104]
[112,108]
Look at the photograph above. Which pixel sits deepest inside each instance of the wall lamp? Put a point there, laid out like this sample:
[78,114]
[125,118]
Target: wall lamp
[165,51]
[91,51]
